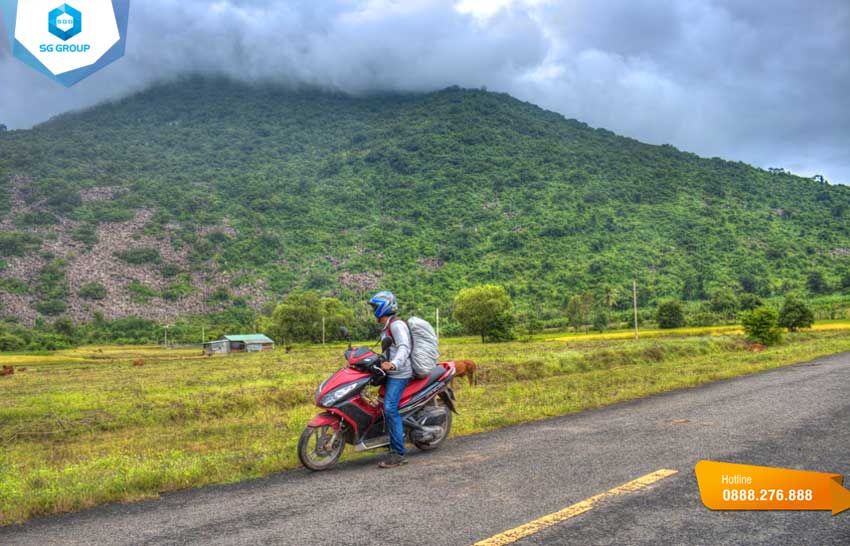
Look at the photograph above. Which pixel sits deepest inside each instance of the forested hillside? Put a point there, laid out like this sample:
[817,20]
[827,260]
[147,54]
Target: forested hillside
[200,195]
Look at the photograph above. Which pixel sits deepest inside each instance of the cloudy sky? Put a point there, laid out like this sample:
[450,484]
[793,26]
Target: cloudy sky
[763,82]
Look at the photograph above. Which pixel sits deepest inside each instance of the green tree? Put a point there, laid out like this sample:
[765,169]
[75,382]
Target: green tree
[724,303]
[795,314]
[485,310]
[762,325]
[670,315]
[574,314]
[845,280]
[299,317]
[578,310]
[11,342]
[816,283]
[64,326]
[600,319]
[611,296]
[750,301]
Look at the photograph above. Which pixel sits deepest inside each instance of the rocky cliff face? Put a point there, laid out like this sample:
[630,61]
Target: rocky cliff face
[144,290]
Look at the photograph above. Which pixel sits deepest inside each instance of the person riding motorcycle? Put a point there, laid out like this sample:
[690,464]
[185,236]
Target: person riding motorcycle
[399,372]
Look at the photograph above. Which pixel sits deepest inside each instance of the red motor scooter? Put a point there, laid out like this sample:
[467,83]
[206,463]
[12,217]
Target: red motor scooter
[350,418]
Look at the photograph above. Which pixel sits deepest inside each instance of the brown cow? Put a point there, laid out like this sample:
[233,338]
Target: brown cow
[138,362]
[7,370]
[465,368]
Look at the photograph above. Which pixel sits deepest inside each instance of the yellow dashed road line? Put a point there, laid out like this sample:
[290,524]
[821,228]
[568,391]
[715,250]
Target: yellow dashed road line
[512,535]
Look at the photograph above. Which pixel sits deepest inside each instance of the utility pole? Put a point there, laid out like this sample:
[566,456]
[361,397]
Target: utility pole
[203,336]
[634,298]
[166,336]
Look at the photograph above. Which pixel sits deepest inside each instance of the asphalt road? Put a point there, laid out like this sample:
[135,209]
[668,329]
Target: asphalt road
[475,487]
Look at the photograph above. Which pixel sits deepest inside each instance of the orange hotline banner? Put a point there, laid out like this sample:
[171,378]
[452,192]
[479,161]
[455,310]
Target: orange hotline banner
[730,486]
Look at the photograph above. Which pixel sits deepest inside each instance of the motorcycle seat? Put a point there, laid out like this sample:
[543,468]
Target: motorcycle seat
[417,385]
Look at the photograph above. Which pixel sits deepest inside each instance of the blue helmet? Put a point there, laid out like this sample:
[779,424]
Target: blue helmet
[383,303]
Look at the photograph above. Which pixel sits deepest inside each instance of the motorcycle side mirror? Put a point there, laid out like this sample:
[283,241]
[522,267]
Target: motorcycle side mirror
[343,331]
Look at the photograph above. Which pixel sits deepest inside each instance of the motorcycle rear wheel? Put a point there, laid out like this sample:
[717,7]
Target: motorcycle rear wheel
[435,443]
[319,448]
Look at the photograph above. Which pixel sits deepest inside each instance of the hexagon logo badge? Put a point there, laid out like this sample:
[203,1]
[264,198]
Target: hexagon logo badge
[53,39]
[65,22]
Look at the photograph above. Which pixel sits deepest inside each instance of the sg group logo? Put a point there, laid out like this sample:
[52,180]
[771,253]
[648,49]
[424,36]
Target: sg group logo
[66,41]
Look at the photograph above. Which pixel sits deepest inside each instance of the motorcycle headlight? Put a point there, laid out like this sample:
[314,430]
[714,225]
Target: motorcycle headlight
[337,394]
[319,390]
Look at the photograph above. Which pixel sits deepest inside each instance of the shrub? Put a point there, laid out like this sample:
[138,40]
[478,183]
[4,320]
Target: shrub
[724,303]
[533,325]
[816,282]
[141,293]
[750,301]
[36,219]
[701,315]
[51,307]
[13,286]
[64,327]
[11,342]
[219,295]
[487,311]
[177,291]
[139,256]
[762,325]
[133,330]
[450,327]
[16,243]
[92,291]
[63,199]
[795,314]
[670,315]
[86,234]
[103,211]
[600,320]
[169,270]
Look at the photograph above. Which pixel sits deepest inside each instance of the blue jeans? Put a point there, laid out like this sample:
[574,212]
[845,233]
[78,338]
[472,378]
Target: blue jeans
[392,419]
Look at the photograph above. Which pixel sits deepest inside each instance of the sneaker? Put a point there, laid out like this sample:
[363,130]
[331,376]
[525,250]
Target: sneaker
[393,460]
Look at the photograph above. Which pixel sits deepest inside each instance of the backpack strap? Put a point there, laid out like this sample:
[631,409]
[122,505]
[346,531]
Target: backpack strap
[390,330]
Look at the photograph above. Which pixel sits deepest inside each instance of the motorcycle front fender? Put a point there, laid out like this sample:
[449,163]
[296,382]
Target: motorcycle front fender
[323,419]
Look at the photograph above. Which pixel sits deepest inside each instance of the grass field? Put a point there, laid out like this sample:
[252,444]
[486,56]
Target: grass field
[85,426]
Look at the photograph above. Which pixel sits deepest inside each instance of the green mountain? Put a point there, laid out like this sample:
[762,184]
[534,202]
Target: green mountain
[193,196]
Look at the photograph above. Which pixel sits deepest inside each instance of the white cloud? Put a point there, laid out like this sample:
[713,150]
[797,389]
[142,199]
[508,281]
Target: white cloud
[761,82]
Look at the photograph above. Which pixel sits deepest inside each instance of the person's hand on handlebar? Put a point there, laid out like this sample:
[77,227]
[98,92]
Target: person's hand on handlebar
[387,366]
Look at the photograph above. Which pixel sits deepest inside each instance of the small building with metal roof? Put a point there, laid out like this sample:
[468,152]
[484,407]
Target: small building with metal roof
[253,343]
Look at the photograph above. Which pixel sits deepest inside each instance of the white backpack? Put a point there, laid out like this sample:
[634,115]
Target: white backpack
[425,350]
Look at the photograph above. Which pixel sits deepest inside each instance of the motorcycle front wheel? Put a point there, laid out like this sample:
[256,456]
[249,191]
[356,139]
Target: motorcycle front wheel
[320,447]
